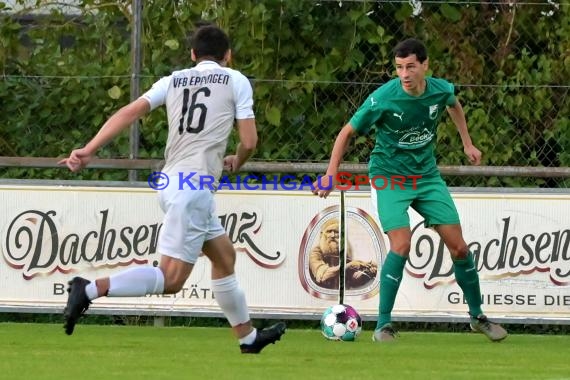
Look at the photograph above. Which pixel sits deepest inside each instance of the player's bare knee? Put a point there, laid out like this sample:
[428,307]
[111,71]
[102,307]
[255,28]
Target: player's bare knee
[401,247]
[223,264]
[222,268]
[173,285]
[458,251]
[400,241]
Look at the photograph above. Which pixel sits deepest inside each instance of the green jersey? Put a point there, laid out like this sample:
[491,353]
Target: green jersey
[405,126]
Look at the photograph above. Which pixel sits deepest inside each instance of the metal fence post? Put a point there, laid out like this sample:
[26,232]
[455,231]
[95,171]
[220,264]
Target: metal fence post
[136,57]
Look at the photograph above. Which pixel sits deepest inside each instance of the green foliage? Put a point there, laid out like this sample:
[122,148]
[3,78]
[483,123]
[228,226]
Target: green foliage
[311,64]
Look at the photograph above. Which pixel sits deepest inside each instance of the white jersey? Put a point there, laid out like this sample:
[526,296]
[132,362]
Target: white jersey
[202,104]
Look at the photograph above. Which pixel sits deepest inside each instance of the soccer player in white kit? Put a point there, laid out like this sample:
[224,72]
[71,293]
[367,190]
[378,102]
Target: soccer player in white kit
[202,104]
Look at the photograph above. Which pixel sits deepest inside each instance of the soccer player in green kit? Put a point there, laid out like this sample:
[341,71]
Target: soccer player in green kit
[405,113]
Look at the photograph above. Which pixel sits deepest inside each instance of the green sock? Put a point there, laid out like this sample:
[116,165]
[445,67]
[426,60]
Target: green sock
[468,280]
[390,278]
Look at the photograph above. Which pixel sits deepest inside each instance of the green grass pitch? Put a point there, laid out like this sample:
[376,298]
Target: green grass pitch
[43,351]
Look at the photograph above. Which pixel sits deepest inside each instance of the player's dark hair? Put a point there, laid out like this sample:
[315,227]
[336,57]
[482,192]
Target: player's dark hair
[409,47]
[210,41]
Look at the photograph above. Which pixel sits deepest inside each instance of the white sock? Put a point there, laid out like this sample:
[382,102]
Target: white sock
[136,282]
[91,291]
[231,299]
[249,338]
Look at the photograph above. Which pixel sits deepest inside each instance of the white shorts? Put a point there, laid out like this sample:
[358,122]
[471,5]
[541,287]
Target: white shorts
[190,220]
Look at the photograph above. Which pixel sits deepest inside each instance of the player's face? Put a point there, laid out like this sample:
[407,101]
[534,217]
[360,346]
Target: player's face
[411,73]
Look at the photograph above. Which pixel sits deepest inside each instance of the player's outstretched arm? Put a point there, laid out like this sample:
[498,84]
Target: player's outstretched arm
[458,116]
[324,187]
[247,143]
[79,158]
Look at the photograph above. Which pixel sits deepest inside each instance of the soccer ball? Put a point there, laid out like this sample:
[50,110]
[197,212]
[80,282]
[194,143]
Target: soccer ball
[341,322]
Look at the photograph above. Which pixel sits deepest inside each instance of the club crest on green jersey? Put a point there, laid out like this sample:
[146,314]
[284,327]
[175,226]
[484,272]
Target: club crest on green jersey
[433,111]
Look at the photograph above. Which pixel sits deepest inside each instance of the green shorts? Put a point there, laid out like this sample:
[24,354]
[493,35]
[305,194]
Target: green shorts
[430,198]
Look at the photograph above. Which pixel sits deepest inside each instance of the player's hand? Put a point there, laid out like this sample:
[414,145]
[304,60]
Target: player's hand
[77,160]
[231,163]
[473,154]
[324,185]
